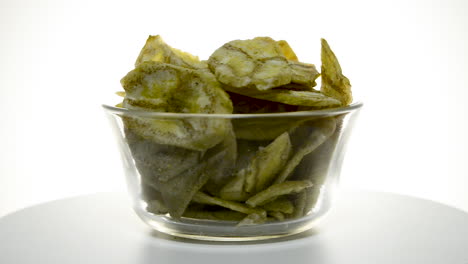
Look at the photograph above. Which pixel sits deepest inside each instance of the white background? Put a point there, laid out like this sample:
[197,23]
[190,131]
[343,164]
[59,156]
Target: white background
[60,60]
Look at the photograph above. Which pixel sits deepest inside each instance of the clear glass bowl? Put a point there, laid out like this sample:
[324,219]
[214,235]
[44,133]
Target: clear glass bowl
[232,177]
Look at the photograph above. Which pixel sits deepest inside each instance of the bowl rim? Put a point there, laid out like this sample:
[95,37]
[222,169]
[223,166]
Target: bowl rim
[322,112]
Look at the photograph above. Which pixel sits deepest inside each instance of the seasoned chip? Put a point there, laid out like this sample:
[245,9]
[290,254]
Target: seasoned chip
[304,74]
[203,198]
[253,219]
[161,87]
[310,98]
[217,215]
[287,51]
[264,129]
[259,64]
[156,207]
[334,83]
[248,105]
[157,50]
[300,204]
[260,172]
[226,166]
[323,129]
[234,190]
[277,190]
[276,215]
[178,191]
[280,204]
[160,162]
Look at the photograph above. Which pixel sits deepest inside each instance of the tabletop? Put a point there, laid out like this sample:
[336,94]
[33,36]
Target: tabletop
[364,227]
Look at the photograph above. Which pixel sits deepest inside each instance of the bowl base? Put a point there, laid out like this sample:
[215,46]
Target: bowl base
[225,231]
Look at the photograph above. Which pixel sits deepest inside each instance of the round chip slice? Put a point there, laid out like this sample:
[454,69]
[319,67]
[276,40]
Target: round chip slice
[156,49]
[161,87]
[310,98]
[260,64]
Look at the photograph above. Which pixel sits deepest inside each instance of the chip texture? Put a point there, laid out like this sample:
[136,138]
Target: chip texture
[334,83]
[157,50]
[261,64]
[161,87]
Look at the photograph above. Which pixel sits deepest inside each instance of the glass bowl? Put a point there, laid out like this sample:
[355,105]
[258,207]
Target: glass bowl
[232,177]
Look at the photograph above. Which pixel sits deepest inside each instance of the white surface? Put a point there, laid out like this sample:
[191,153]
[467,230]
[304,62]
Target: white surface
[61,59]
[365,228]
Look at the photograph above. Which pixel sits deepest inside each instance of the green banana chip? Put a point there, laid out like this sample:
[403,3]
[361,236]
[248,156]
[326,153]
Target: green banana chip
[277,215]
[299,204]
[277,190]
[156,207]
[179,191]
[225,168]
[334,83]
[157,50]
[217,215]
[160,87]
[160,162]
[280,204]
[254,219]
[323,130]
[203,198]
[260,172]
[309,98]
[259,64]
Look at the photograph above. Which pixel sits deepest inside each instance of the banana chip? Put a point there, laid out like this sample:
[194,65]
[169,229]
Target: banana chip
[217,215]
[253,219]
[311,98]
[161,87]
[203,198]
[276,215]
[281,204]
[287,51]
[277,190]
[259,64]
[260,172]
[334,83]
[323,130]
[157,50]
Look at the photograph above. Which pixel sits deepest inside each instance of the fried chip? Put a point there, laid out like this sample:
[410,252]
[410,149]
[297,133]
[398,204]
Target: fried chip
[266,164]
[323,129]
[248,105]
[287,51]
[260,172]
[276,215]
[310,98]
[253,219]
[334,83]
[160,87]
[276,190]
[300,202]
[259,64]
[178,191]
[216,215]
[160,162]
[280,204]
[203,198]
[264,129]
[226,166]
[156,207]
[157,50]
